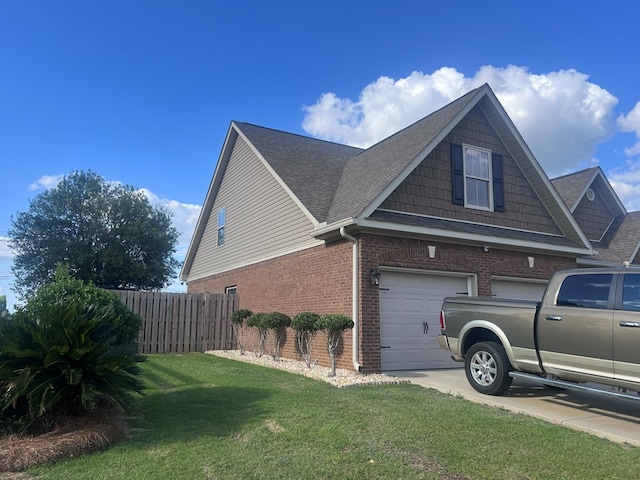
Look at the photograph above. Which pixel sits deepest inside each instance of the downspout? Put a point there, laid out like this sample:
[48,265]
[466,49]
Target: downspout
[355,349]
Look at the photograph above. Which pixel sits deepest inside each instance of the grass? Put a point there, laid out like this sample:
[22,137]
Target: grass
[205,417]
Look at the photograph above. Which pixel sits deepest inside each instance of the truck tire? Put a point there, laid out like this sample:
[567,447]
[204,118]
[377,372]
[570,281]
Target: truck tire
[487,367]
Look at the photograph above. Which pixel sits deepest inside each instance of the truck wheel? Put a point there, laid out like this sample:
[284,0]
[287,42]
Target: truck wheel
[487,367]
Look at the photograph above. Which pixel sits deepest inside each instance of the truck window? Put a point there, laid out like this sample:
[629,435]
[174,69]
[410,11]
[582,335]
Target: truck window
[631,292]
[585,291]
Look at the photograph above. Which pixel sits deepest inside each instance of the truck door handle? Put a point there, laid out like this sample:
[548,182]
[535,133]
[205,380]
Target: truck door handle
[630,324]
[555,318]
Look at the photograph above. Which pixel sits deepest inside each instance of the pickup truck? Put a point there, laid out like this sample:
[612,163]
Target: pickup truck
[586,328]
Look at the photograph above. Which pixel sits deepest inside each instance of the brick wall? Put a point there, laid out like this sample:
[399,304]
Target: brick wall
[319,280]
[380,251]
[315,280]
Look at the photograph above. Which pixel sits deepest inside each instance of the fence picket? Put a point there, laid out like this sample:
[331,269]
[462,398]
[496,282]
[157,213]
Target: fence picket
[182,322]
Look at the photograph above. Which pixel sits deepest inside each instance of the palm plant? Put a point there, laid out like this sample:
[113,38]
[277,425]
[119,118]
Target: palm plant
[64,361]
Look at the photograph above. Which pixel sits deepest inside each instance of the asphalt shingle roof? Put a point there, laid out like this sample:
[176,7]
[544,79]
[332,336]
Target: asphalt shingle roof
[366,175]
[571,186]
[311,168]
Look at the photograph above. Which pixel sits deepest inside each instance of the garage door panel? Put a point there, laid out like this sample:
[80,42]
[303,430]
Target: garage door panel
[409,319]
[517,289]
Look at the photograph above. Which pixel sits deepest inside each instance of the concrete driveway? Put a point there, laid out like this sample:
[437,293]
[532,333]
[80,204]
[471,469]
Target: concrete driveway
[615,419]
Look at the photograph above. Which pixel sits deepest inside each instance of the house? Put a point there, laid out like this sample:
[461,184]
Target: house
[613,232]
[455,204]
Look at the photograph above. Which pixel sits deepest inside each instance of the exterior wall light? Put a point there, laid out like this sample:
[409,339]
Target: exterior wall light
[374,275]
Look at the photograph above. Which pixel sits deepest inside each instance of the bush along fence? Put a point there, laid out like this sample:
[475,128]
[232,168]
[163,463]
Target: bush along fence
[182,322]
[257,328]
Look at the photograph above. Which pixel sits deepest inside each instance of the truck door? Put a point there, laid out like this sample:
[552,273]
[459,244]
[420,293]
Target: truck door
[575,330]
[626,330]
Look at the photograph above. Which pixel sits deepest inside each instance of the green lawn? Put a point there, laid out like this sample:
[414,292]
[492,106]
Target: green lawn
[205,417]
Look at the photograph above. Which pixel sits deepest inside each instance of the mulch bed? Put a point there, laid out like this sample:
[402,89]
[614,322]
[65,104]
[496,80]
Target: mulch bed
[71,438]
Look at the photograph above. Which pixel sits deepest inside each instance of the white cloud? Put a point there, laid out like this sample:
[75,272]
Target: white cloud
[631,123]
[46,182]
[185,217]
[561,115]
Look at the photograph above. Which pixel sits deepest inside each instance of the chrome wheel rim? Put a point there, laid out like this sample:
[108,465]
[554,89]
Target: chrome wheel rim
[483,368]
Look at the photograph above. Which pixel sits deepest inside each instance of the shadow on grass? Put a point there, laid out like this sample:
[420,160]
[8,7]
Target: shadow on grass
[191,412]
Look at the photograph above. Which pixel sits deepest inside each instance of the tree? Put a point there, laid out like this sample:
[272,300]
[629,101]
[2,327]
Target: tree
[276,322]
[105,232]
[306,326]
[4,313]
[334,324]
[238,320]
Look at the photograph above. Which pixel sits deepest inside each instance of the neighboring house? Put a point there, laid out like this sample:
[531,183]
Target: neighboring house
[613,233]
[455,204]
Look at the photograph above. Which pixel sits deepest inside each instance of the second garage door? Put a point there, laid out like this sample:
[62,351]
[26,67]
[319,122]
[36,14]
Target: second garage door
[410,318]
[519,289]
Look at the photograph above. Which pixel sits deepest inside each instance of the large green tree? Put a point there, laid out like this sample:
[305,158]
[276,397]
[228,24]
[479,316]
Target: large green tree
[105,232]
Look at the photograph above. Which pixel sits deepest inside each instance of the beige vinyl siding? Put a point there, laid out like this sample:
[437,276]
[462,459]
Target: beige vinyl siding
[262,220]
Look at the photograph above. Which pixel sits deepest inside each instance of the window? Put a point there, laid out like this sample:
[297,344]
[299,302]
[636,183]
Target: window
[476,178]
[221,224]
[585,291]
[631,293]
[231,290]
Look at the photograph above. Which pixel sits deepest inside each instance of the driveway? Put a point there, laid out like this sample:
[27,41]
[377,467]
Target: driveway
[615,419]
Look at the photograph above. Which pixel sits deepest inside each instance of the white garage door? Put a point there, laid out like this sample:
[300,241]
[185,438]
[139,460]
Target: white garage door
[517,289]
[410,319]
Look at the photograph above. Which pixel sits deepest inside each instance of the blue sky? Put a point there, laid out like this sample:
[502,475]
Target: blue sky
[142,92]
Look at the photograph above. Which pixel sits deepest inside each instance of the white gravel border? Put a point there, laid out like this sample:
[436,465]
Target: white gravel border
[344,378]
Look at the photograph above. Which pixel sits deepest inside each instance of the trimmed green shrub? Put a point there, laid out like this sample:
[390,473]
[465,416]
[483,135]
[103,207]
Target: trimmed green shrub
[62,362]
[276,322]
[334,324]
[238,320]
[65,289]
[257,321]
[306,326]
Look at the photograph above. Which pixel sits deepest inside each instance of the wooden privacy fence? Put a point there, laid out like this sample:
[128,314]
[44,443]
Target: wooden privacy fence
[182,322]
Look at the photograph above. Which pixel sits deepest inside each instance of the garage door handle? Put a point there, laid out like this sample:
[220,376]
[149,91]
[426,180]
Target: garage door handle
[385,346]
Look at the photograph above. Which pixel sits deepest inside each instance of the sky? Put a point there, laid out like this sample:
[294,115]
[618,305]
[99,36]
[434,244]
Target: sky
[143,92]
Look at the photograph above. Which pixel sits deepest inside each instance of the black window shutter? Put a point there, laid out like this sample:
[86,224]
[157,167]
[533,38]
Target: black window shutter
[457,175]
[498,185]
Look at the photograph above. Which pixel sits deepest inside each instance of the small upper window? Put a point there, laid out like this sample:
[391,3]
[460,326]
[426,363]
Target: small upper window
[221,225]
[231,290]
[477,178]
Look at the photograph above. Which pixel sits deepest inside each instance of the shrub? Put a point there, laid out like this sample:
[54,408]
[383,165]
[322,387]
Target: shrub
[257,321]
[62,362]
[276,322]
[334,324]
[65,289]
[237,320]
[306,326]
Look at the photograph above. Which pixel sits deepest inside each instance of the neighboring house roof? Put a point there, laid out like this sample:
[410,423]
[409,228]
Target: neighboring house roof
[341,186]
[620,244]
[621,241]
[574,186]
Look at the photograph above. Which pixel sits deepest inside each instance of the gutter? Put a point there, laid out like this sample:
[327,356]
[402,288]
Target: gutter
[355,349]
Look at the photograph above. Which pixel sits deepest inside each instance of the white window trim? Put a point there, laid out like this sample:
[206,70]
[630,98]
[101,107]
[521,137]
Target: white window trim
[227,290]
[466,146]
[223,226]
